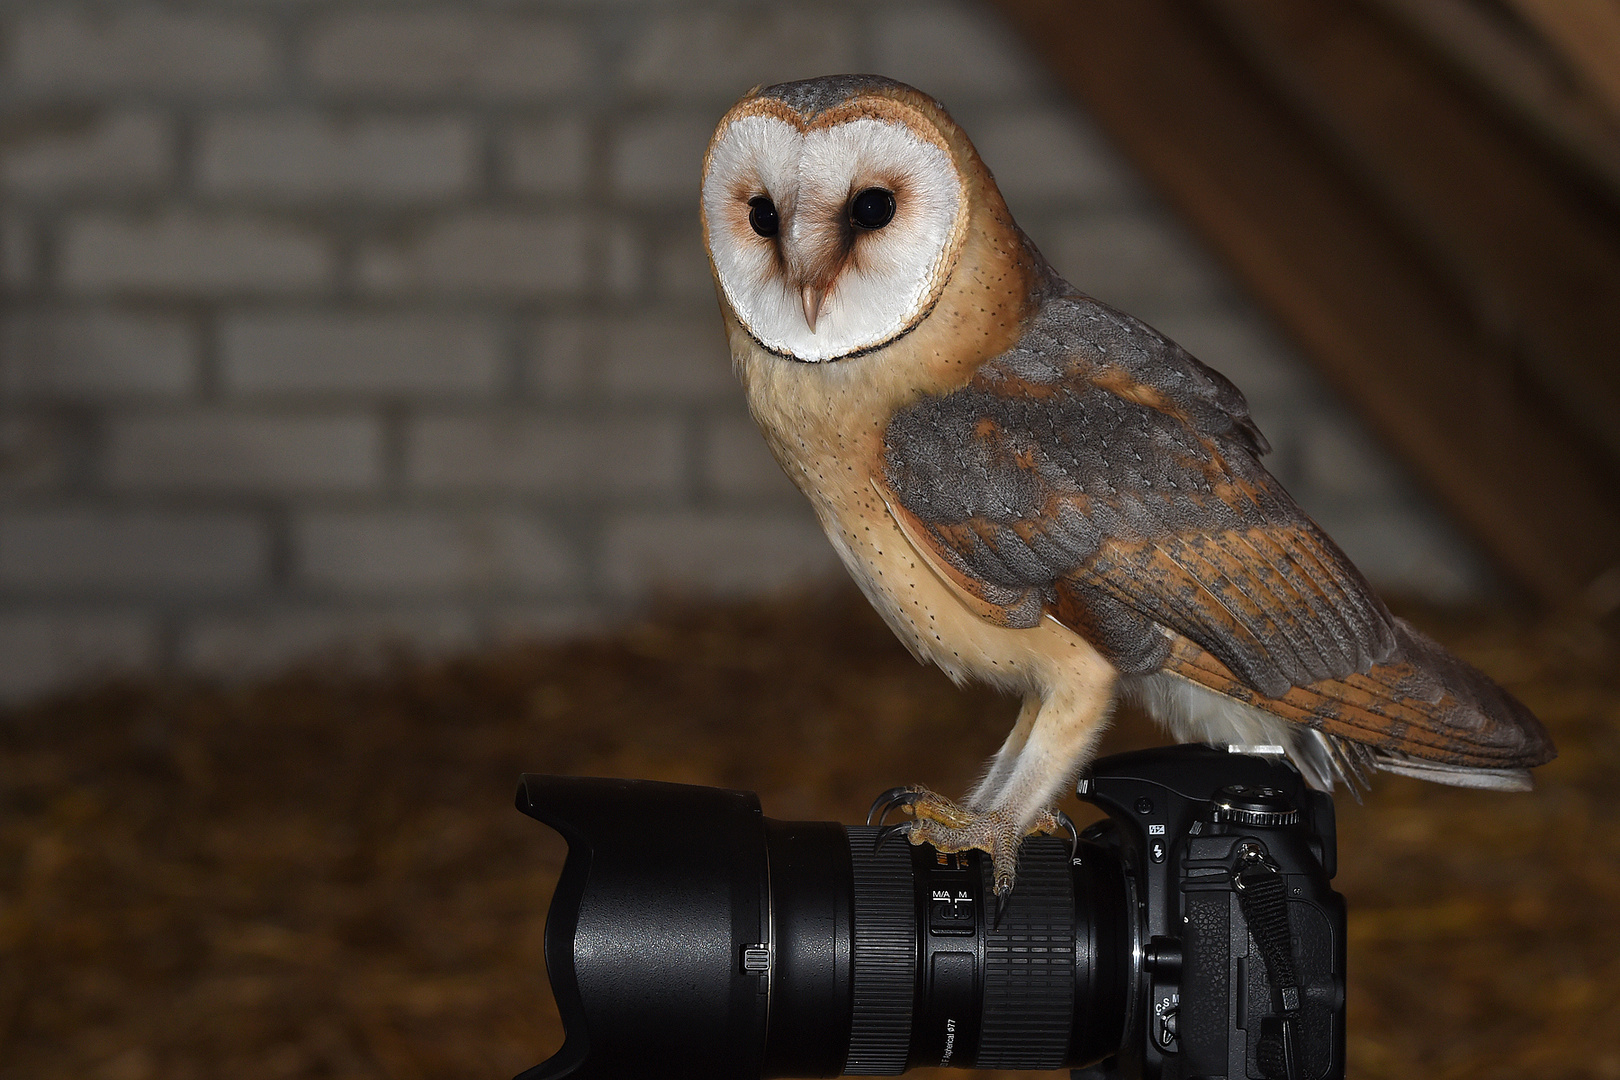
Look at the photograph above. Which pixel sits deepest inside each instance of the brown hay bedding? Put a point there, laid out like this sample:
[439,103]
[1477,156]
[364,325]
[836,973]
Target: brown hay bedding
[321,874]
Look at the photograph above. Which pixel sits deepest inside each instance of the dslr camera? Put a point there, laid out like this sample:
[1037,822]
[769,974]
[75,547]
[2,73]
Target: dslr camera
[1192,933]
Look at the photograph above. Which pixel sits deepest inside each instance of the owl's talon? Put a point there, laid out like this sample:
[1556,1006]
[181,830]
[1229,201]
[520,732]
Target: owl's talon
[1072,829]
[895,796]
[925,805]
[889,832]
[1003,871]
[1002,900]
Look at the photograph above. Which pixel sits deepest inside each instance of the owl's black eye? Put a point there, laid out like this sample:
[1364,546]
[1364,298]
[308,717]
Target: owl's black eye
[762,216]
[872,208]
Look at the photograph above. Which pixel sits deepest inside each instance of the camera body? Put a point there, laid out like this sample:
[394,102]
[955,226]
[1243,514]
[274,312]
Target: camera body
[1190,827]
[1193,933]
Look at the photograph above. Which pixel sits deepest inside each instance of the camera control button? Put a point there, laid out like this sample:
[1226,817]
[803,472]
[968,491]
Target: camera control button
[950,911]
[756,959]
[1165,1011]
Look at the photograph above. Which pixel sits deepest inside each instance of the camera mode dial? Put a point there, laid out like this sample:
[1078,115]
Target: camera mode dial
[1253,805]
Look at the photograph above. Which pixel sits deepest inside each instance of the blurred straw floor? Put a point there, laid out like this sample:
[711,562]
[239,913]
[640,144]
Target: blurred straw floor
[321,874]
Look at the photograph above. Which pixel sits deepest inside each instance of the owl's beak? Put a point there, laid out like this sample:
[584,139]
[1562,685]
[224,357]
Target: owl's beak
[814,298]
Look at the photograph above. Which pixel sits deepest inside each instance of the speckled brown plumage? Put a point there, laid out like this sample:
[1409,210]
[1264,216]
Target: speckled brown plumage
[1098,474]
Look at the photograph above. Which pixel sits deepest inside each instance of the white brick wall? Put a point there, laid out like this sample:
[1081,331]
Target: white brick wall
[736,464]
[657,156]
[181,253]
[1042,156]
[725,553]
[86,552]
[36,454]
[236,643]
[544,157]
[394,55]
[506,254]
[314,354]
[53,353]
[41,650]
[236,451]
[713,52]
[407,552]
[298,157]
[326,325]
[114,151]
[78,53]
[620,455]
[669,356]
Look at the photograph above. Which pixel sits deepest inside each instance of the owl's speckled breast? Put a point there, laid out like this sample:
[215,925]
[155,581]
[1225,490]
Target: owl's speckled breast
[825,425]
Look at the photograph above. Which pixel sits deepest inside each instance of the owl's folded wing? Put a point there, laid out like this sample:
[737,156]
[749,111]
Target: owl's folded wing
[1118,488]
[1426,713]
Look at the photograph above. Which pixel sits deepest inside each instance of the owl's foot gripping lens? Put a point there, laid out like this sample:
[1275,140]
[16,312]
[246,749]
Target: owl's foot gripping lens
[948,826]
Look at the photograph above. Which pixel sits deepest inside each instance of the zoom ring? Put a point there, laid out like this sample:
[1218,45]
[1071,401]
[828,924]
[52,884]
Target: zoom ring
[1029,964]
[883,956]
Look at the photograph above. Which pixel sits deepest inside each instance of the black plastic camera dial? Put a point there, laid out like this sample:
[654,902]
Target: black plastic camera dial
[1253,805]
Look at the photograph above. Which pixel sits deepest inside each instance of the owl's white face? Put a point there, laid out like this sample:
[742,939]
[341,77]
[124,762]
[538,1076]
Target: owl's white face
[834,240]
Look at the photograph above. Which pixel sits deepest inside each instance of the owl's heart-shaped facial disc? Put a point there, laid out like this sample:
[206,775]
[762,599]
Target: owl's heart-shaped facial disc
[832,237]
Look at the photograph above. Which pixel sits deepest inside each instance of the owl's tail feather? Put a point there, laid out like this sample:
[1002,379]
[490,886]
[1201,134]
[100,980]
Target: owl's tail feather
[1424,713]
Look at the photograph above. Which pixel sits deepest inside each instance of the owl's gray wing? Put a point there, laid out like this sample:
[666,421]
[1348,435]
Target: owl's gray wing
[1099,474]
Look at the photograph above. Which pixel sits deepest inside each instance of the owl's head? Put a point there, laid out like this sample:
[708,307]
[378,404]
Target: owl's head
[834,212]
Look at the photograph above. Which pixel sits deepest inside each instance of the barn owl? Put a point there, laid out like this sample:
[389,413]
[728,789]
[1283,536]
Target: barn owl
[1043,493]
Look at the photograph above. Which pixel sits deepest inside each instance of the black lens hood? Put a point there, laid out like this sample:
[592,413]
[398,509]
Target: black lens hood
[688,865]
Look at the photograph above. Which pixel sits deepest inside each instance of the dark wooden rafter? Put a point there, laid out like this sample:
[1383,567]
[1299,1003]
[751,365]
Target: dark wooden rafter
[1586,36]
[1523,72]
[1529,251]
[1458,287]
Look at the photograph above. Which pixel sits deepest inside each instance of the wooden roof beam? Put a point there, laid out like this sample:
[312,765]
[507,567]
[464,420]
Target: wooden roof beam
[1293,186]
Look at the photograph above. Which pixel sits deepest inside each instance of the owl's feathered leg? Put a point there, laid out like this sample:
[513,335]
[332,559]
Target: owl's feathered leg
[1025,781]
[1001,765]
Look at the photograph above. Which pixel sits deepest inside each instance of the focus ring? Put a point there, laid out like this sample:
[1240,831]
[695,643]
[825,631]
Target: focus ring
[883,956]
[1029,964]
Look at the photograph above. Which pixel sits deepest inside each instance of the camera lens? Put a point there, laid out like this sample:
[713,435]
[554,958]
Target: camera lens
[1192,932]
[750,947]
